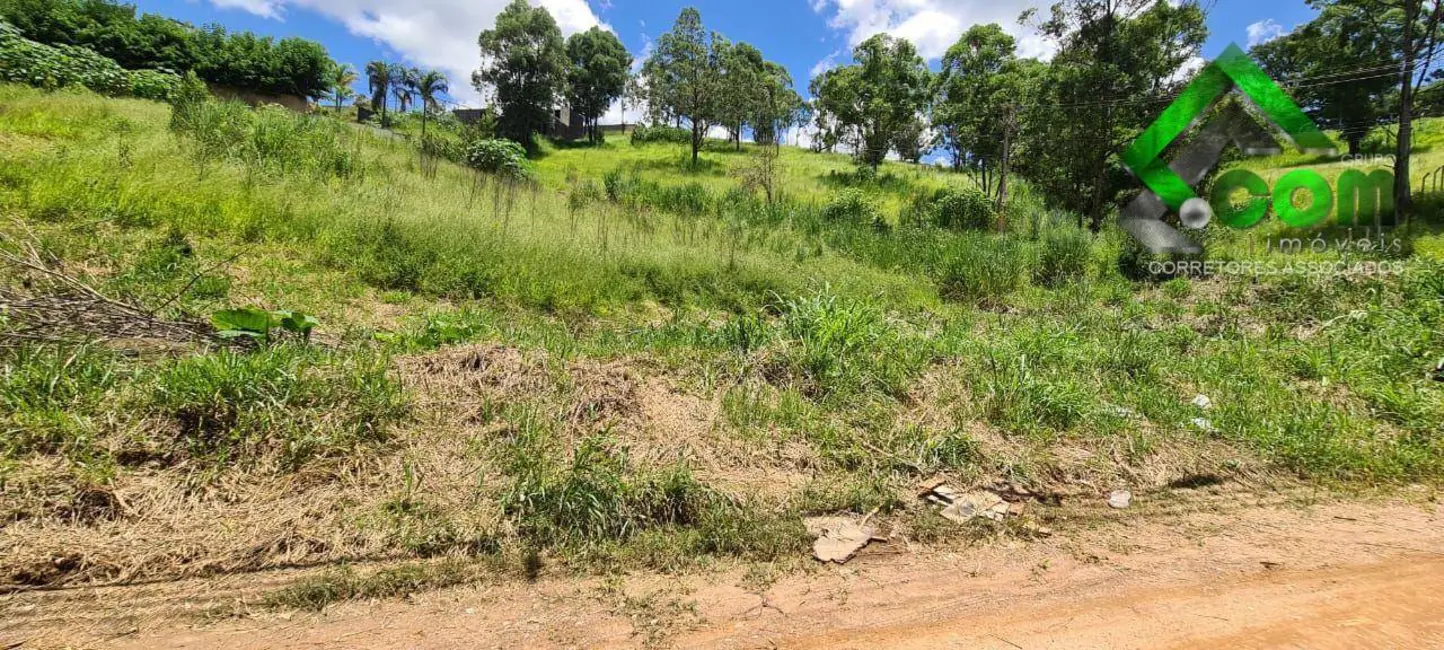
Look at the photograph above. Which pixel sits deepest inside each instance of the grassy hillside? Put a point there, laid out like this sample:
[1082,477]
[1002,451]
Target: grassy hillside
[546,375]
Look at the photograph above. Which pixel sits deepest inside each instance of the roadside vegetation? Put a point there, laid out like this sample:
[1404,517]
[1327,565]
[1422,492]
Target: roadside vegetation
[646,351]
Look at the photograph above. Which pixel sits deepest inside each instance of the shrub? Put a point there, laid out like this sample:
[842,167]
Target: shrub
[851,206]
[154,84]
[981,269]
[501,157]
[957,209]
[650,134]
[1134,260]
[25,61]
[1063,257]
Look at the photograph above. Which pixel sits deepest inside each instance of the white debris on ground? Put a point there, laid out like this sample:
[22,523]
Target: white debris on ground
[976,504]
[996,504]
[1202,401]
[1120,499]
[838,538]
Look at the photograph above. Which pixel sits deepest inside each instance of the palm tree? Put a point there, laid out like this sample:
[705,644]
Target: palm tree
[430,85]
[379,76]
[403,85]
[341,78]
[402,95]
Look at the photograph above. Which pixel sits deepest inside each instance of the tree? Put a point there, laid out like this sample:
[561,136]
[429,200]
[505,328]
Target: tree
[404,83]
[1413,33]
[741,78]
[1335,60]
[1115,58]
[428,87]
[341,78]
[525,65]
[600,69]
[683,76]
[979,77]
[878,99]
[290,66]
[378,79]
[778,106]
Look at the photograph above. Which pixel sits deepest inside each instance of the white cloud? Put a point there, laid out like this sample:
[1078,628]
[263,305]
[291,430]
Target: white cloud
[438,34]
[1264,31]
[827,63]
[934,25]
[264,8]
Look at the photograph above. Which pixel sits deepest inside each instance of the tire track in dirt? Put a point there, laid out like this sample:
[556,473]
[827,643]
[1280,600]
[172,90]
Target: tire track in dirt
[1331,575]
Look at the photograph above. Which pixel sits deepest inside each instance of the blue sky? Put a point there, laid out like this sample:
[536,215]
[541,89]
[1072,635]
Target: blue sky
[805,35]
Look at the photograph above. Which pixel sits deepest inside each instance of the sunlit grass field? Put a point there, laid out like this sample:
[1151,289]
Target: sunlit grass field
[519,370]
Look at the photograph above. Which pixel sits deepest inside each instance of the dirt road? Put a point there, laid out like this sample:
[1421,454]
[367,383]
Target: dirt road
[1337,575]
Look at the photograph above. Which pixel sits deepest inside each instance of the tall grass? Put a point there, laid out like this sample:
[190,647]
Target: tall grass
[359,201]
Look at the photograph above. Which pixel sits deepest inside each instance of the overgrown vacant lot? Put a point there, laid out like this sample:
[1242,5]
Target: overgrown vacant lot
[600,371]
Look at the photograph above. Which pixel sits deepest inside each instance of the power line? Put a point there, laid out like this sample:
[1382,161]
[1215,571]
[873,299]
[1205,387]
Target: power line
[1304,82]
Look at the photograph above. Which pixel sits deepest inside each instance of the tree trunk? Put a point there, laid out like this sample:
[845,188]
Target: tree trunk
[1003,171]
[1404,145]
[696,142]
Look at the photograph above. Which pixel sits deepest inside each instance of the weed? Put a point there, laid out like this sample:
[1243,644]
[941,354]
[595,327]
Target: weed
[982,269]
[298,401]
[1063,258]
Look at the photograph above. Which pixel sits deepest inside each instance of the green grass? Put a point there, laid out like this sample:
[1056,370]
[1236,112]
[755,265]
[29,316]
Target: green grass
[846,340]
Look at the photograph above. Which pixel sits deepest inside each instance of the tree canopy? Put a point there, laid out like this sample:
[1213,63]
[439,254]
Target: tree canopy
[878,103]
[524,67]
[290,66]
[600,69]
[684,75]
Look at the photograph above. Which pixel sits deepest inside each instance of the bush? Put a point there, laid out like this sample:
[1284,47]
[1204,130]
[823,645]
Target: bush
[502,157]
[670,134]
[851,206]
[153,84]
[1063,258]
[618,185]
[51,67]
[1134,260]
[981,269]
[956,209]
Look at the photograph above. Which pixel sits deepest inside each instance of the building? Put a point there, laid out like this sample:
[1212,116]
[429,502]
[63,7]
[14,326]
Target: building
[563,125]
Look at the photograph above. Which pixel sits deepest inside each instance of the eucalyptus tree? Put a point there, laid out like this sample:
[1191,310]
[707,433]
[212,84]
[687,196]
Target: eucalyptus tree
[683,76]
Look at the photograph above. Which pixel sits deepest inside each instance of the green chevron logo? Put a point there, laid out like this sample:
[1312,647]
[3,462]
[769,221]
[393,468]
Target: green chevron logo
[1170,186]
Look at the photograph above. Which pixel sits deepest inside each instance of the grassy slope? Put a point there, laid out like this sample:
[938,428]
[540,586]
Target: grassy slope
[838,374]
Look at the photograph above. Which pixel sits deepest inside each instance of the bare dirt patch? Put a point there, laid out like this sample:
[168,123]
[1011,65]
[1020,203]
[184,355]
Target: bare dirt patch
[1250,571]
